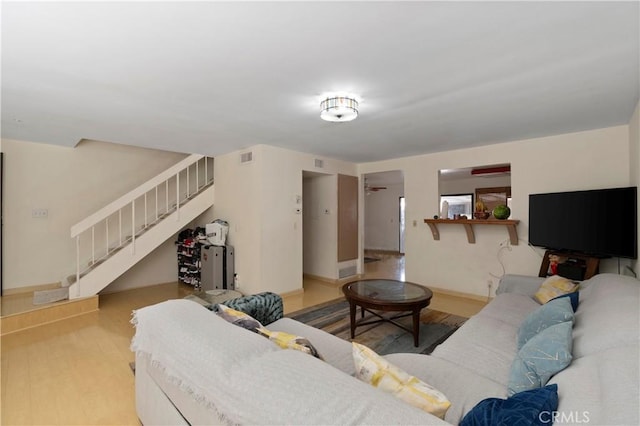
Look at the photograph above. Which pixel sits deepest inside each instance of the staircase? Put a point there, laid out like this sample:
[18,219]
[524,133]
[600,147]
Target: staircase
[113,239]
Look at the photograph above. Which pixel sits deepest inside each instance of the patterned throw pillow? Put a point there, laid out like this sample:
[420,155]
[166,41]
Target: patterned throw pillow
[553,287]
[282,339]
[554,312]
[377,371]
[529,408]
[547,353]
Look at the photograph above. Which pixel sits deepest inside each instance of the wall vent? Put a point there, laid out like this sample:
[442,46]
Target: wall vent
[246,157]
[347,272]
[319,163]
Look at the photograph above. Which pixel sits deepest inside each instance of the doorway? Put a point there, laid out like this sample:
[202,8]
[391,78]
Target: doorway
[401,222]
[384,226]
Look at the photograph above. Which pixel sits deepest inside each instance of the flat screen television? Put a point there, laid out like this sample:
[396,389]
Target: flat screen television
[600,223]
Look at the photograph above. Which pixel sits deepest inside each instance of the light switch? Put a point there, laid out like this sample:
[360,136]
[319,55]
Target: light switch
[39,213]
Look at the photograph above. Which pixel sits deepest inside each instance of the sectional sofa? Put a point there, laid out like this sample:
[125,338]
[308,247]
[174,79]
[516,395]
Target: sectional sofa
[195,368]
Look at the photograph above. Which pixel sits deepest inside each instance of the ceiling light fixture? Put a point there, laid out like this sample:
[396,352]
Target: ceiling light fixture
[339,108]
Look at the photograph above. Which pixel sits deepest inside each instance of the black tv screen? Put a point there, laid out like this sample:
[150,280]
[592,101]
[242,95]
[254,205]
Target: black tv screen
[600,222]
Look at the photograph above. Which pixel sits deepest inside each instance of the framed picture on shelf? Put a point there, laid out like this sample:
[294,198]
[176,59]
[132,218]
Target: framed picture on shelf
[459,204]
[492,197]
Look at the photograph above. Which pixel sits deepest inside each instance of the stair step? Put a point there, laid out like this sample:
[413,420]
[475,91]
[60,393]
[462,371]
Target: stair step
[50,312]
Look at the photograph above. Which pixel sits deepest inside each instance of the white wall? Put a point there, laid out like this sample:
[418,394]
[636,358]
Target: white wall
[258,200]
[158,267]
[320,229]
[70,183]
[634,162]
[576,161]
[381,218]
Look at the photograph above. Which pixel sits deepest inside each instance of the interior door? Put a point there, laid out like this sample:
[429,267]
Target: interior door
[347,217]
[401,223]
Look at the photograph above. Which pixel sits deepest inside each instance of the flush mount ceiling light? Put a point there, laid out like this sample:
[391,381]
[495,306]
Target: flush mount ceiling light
[338,108]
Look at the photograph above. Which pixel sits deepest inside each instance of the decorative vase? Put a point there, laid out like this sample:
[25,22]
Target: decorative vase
[444,213]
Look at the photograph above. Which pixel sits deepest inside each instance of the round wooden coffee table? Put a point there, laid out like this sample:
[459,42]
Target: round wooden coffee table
[387,296]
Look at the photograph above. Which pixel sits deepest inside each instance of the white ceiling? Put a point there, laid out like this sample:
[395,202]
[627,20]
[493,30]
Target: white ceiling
[213,77]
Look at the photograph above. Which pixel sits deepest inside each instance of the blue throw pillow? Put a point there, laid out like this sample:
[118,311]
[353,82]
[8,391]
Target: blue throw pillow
[541,357]
[553,312]
[532,407]
[573,297]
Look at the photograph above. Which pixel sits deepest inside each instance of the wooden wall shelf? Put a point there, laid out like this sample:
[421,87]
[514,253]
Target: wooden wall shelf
[470,223]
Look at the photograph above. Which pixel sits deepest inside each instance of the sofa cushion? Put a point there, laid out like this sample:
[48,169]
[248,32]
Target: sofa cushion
[553,287]
[608,314]
[601,388]
[463,387]
[490,337]
[510,308]
[541,357]
[280,338]
[297,389]
[553,312]
[165,328]
[373,369]
[532,407]
[334,350]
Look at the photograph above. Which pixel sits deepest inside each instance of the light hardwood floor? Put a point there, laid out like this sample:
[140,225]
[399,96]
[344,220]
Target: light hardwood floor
[76,371]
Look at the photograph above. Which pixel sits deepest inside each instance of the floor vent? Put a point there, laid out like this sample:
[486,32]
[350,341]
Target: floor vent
[246,157]
[347,272]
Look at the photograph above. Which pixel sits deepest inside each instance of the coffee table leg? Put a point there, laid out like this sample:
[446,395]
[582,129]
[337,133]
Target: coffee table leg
[352,315]
[416,327]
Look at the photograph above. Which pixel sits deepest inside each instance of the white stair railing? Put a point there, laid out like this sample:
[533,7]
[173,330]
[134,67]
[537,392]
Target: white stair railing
[118,224]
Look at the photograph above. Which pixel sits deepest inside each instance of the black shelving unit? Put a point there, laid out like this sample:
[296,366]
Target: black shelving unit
[189,264]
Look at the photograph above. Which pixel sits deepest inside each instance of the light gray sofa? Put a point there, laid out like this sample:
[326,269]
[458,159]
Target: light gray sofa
[194,368]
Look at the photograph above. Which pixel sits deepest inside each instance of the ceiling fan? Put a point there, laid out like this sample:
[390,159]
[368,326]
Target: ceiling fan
[369,189]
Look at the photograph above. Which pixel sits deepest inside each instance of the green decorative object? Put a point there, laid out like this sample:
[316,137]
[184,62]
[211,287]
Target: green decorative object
[501,212]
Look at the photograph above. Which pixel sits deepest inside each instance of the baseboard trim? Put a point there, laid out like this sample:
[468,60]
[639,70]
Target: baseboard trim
[292,293]
[390,252]
[334,282]
[29,289]
[458,294]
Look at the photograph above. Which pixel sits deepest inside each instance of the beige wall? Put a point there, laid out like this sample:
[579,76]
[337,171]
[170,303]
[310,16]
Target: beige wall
[584,160]
[320,232]
[258,200]
[634,161]
[70,183]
